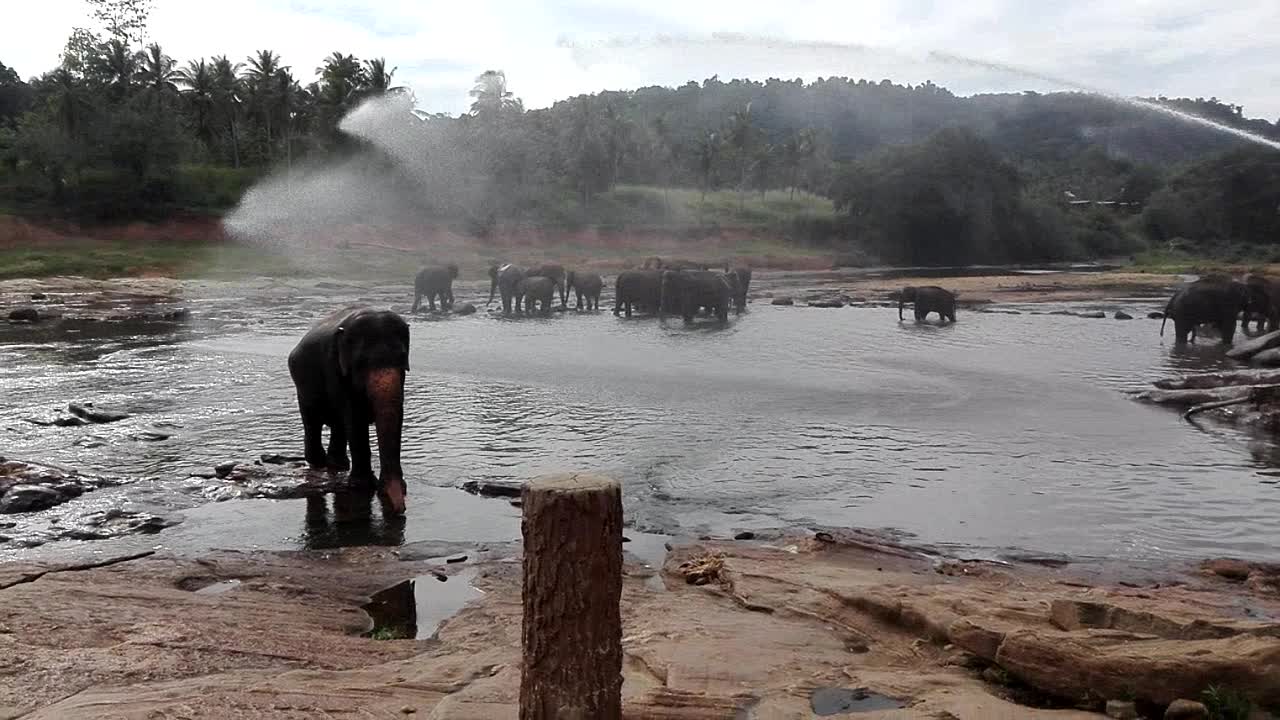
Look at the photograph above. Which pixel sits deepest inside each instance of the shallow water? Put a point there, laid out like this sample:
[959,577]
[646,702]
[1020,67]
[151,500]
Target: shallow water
[1002,431]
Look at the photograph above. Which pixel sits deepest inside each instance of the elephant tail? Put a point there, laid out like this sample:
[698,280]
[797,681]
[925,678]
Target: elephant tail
[1167,306]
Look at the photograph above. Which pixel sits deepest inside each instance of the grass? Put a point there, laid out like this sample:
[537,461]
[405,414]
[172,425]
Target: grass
[1226,703]
[106,259]
[388,633]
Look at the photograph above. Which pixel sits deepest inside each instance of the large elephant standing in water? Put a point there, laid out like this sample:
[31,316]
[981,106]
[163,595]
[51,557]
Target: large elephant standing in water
[585,285]
[741,281]
[928,299]
[1215,301]
[349,371]
[691,290]
[536,290]
[504,278]
[432,282]
[638,289]
[1264,303]
[557,274]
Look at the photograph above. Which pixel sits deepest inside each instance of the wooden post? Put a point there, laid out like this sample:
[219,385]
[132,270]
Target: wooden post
[572,631]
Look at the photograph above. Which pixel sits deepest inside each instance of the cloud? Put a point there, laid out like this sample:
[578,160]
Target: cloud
[1143,47]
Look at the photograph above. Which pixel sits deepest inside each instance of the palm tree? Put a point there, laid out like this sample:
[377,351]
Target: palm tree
[796,151]
[708,154]
[377,79]
[198,79]
[341,77]
[741,136]
[617,139]
[492,98]
[261,84]
[158,75]
[662,152]
[289,95]
[228,90]
[116,67]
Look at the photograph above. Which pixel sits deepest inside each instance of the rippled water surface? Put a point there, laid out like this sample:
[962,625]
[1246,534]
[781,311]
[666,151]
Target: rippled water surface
[1002,431]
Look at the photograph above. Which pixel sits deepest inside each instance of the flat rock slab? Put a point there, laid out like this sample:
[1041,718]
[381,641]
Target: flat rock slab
[27,488]
[1251,347]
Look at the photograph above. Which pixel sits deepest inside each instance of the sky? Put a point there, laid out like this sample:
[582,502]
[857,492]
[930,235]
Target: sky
[555,49]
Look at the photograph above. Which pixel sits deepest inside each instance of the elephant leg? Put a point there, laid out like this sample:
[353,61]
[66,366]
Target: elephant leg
[628,308]
[361,456]
[313,446]
[337,457]
[1181,330]
[431,301]
[447,296]
[921,314]
[1227,328]
[417,300]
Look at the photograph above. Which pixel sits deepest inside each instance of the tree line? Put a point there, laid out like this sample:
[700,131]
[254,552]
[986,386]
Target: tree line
[120,129]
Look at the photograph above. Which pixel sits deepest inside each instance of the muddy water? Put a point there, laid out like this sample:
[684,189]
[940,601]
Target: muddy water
[1002,431]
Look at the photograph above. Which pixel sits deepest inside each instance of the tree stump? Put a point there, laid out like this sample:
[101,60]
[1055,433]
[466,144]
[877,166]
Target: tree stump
[572,633]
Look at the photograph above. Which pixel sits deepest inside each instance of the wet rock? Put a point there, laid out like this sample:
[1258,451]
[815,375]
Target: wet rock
[223,470]
[274,482]
[1253,346]
[1228,568]
[72,421]
[92,414]
[465,308]
[1155,315]
[24,315]
[1186,710]
[1095,315]
[782,300]
[30,498]
[493,488]
[39,296]
[1122,710]
[1266,358]
[1122,315]
[745,535]
[278,459]
[150,436]
[826,304]
[980,641]
[177,314]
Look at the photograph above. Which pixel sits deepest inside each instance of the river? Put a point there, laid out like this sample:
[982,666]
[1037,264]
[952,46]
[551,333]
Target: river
[1001,432]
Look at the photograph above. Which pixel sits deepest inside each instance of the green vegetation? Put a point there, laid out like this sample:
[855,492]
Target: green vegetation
[119,131]
[1226,703]
[389,633]
[99,259]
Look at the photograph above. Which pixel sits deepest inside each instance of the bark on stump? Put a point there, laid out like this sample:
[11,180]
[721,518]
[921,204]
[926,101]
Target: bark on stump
[572,633]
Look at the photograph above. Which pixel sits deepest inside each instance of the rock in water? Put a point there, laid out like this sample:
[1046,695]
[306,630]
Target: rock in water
[465,308]
[24,315]
[827,304]
[1252,347]
[1121,710]
[222,470]
[782,300]
[493,488]
[1155,315]
[29,498]
[1122,315]
[1267,358]
[88,412]
[1095,315]
[1186,710]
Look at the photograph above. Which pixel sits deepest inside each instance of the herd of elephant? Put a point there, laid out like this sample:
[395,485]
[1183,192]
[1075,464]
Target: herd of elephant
[677,287]
[1219,301]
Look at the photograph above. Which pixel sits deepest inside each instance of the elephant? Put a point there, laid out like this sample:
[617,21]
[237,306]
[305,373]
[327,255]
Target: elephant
[657,263]
[433,281]
[586,285]
[349,371]
[1216,301]
[536,289]
[928,299]
[742,283]
[557,274]
[690,290]
[1265,304]
[505,278]
[639,289]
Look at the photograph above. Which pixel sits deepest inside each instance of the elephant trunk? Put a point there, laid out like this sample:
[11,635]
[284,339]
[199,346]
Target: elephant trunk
[901,302]
[1165,318]
[493,286]
[386,401]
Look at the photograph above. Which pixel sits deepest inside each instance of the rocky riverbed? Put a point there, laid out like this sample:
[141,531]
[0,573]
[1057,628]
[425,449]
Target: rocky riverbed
[776,628]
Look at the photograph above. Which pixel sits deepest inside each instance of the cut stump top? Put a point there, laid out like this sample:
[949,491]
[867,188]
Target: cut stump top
[571,483]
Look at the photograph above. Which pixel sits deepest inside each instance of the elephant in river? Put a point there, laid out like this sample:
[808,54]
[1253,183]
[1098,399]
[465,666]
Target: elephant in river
[535,290]
[691,290]
[432,282]
[557,274]
[349,371]
[585,285]
[504,278]
[928,299]
[1216,301]
[638,289]
[741,280]
[1264,306]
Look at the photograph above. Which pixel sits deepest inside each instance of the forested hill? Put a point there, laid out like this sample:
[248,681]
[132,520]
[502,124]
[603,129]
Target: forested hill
[116,132]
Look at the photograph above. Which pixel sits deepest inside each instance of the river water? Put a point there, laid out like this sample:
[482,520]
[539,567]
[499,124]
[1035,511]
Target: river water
[1000,432]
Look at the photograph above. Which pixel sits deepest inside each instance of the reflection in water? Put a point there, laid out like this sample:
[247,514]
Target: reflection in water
[997,431]
[414,609]
[352,522]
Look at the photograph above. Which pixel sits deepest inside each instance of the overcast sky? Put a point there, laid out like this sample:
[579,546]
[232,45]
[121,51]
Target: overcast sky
[558,48]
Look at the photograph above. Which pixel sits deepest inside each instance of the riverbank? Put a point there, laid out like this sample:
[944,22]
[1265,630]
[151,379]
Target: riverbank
[776,628]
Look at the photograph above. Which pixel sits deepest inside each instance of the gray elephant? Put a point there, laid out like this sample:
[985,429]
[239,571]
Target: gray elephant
[928,299]
[638,289]
[349,371]
[1264,306]
[557,274]
[504,278]
[536,290]
[741,279]
[1215,301]
[690,290]
[585,285]
[432,282]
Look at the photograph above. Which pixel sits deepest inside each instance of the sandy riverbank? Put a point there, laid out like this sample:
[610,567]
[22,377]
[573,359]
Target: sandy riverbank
[778,626]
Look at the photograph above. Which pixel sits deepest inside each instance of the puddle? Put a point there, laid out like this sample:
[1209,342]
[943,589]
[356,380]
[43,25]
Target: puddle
[219,587]
[651,551]
[415,608]
[837,701]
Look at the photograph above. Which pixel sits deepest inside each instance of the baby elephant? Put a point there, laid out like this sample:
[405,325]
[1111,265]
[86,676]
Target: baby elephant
[432,282]
[586,285]
[929,299]
[536,289]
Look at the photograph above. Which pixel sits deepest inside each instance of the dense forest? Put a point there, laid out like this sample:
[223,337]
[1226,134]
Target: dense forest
[121,130]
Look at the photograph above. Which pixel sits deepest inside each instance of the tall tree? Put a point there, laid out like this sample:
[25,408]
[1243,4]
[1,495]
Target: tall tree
[124,20]
[796,151]
[200,93]
[377,78]
[228,90]
[115,66]
[742,135]
[158,75]
[708,156]
[492,99]
[341,78]
[261,85]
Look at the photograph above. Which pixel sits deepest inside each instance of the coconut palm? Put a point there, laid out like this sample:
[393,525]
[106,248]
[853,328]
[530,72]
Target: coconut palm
[116,66]
[228,90]
[377,79]
[492,98]
[198,81]
[261,85]
[158,75]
